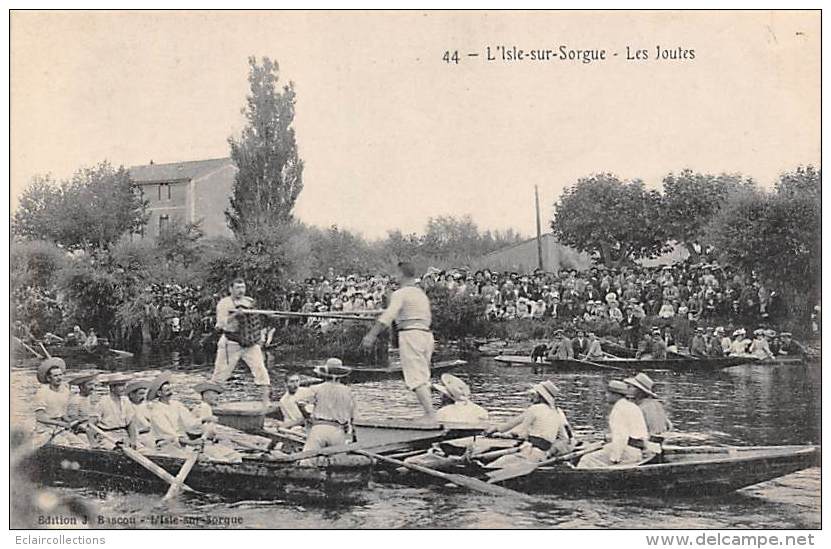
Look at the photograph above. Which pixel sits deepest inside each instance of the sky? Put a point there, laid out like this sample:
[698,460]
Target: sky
[391,134]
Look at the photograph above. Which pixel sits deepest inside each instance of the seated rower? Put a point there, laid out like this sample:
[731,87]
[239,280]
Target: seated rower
[51,407]
[654,414]
[698,345]
[456,408]
[91,342]
[456,404]
[789,346]
[595,349]
[81,406]
[759,348]
[739,345]
[542,424]
[334,408]
[561,348]
[627,431]
[170,420]
[113,410]
[138,415]
[215,449]
[293,404]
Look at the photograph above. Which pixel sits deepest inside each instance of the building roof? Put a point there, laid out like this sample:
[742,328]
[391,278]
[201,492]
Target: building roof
[543,236]
[177,171]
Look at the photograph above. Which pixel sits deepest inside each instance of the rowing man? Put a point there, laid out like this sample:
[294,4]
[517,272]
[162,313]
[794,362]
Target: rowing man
[230,349]
[410,308]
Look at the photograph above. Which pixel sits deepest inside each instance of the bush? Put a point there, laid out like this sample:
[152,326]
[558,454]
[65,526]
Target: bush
[457,316]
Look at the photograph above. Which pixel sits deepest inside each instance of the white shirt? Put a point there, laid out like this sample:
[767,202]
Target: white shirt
[738,347]
[760,349]
[140,415]
[112,413]
[54,403]
[289,403]
[543,421]
[170,421]
[223,311]
[407,303]
[625,420]
[462,412]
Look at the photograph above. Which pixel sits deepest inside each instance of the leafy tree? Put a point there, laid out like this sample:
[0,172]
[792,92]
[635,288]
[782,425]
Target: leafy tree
[266,257]
[691,200]
[270,172]
[35,214]
[180,242]
[806,181]
[340,250]
[620,221]
[777,236]
[93,209]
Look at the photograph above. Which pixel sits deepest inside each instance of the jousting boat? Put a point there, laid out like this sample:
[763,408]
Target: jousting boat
[254,478]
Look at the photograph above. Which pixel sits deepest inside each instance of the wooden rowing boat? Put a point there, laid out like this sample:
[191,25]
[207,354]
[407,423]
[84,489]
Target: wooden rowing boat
[389,434]
[254,478]
[684,471]
[633,364]
[561,365]
[681,471]
[361,373]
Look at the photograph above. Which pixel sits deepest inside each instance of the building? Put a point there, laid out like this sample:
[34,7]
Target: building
[187,192]
[523,258]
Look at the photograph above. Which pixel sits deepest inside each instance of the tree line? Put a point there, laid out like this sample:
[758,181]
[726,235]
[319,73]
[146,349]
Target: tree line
[774,235]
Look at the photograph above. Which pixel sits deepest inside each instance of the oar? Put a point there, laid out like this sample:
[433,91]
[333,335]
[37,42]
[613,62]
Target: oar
[523,469]
[179,481]
[126,354]
[459,480]
[362,315]
[140,459]
[44,350]
[37,354]
[600,366]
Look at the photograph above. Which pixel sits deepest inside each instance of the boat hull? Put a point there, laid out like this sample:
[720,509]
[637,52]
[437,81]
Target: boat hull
[631,364]
[361,374]
[564,365]
[252,479]
[698,475]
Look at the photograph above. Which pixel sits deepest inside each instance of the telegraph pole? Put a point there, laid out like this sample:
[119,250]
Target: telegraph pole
[539,233]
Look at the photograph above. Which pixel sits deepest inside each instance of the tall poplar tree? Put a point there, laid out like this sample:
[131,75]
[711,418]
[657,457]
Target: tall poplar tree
[270,172]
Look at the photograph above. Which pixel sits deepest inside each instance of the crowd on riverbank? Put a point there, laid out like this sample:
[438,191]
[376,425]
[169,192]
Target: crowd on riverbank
[606,300]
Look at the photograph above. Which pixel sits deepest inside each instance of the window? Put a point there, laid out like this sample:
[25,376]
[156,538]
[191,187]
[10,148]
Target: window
[164,223]
[164,191]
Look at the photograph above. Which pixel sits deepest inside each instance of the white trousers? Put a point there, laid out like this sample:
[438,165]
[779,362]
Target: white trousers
[229,353]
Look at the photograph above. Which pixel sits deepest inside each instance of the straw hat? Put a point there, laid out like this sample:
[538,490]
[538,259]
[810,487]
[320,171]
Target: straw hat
[642,382]
[156,384]
[453,387]
[333,368]
[719,330]
[48,364]
[616,386]
[548,391]
[135,385]
[80,380]
[116,379]
[770,333]
[739,332]
[208,386]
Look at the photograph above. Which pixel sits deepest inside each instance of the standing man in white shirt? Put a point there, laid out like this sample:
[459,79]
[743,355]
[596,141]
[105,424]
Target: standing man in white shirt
[409,307]
[230,348]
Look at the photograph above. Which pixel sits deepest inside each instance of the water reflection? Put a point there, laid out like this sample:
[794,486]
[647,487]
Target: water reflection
[747,405]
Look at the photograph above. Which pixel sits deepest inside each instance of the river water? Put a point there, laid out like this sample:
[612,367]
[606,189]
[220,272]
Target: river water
[745,405]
